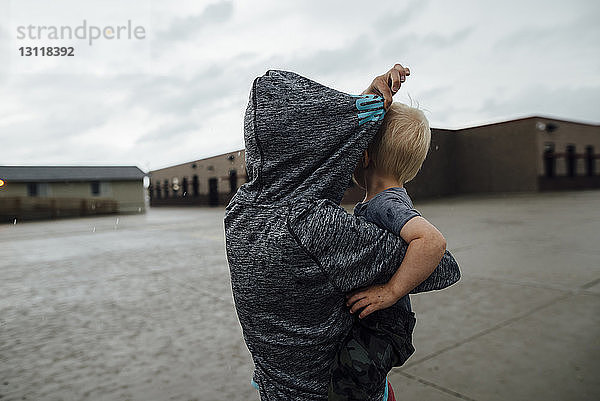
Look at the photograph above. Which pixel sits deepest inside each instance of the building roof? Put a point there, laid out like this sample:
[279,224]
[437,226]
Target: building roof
[237,152]
[70,173]
[534,117]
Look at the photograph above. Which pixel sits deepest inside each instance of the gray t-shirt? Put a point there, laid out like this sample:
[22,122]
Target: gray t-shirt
[390,209]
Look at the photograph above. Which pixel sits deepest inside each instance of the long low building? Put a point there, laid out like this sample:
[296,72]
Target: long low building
[523,155]
[210,181]
[36,192]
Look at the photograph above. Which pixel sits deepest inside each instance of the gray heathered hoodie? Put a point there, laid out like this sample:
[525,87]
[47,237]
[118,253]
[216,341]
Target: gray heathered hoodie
[293,252]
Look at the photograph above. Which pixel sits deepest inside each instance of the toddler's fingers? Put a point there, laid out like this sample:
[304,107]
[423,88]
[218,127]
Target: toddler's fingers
[367,311]
[381,85]
[395,80]
[398,67]
[355,297]
[403,71]
[359,305]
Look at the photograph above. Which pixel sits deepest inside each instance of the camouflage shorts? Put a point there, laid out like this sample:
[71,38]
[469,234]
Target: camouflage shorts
[374,345]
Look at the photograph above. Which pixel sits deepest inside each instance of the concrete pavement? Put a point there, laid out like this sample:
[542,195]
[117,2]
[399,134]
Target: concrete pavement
[140,308]
[524,321]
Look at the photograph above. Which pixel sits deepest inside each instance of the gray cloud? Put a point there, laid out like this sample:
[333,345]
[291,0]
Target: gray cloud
[83,105]
[435,40]
[169,132]
[351,57]
[88,102]
[182,28]
[418,43]
[569,103]
[578,32]
[395,20]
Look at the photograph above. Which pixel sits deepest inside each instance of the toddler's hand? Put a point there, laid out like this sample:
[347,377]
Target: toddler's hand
[386,85]
[373,298]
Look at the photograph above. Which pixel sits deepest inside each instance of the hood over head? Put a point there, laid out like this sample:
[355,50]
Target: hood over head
[303,139]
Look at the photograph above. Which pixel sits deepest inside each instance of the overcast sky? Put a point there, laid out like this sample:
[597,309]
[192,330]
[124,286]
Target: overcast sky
[179,93]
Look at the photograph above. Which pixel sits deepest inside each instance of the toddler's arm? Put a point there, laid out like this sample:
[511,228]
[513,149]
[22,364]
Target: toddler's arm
[426,246]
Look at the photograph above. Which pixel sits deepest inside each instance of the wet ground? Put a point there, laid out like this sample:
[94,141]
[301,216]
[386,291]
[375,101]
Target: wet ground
[139,307]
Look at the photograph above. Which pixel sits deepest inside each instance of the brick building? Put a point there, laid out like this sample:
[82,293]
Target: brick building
[523,155]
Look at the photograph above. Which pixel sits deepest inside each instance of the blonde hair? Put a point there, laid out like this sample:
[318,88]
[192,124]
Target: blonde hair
[401,144]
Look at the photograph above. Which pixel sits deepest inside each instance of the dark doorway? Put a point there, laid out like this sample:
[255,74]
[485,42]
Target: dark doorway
[196,185]
[232,181]
[166,188]
[213,194]
[157,189]
[184,187]
[571,161]
[32,189]
[549,160]
[590,161]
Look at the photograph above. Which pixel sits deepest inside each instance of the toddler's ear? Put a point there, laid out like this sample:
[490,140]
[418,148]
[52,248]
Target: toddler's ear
[365,159]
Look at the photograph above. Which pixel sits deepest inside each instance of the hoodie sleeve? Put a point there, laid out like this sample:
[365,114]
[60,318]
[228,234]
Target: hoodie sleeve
[355,253]
[352,252]
[445,274]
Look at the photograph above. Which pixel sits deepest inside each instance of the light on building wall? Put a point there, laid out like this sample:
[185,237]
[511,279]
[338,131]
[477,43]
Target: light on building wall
[1,183]
[175,181]
[550,127]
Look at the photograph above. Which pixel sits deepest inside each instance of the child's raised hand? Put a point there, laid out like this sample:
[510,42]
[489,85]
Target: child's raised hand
[372,299]
[386,85]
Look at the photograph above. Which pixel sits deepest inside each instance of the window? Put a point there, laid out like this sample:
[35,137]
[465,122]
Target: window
[589,160]
[95,187]
[571,161]
[32,189]
[184,186]
[196,185]
[105,188]
[213,192]
[232,181]
[549,159]
[166,188]
[43,189]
